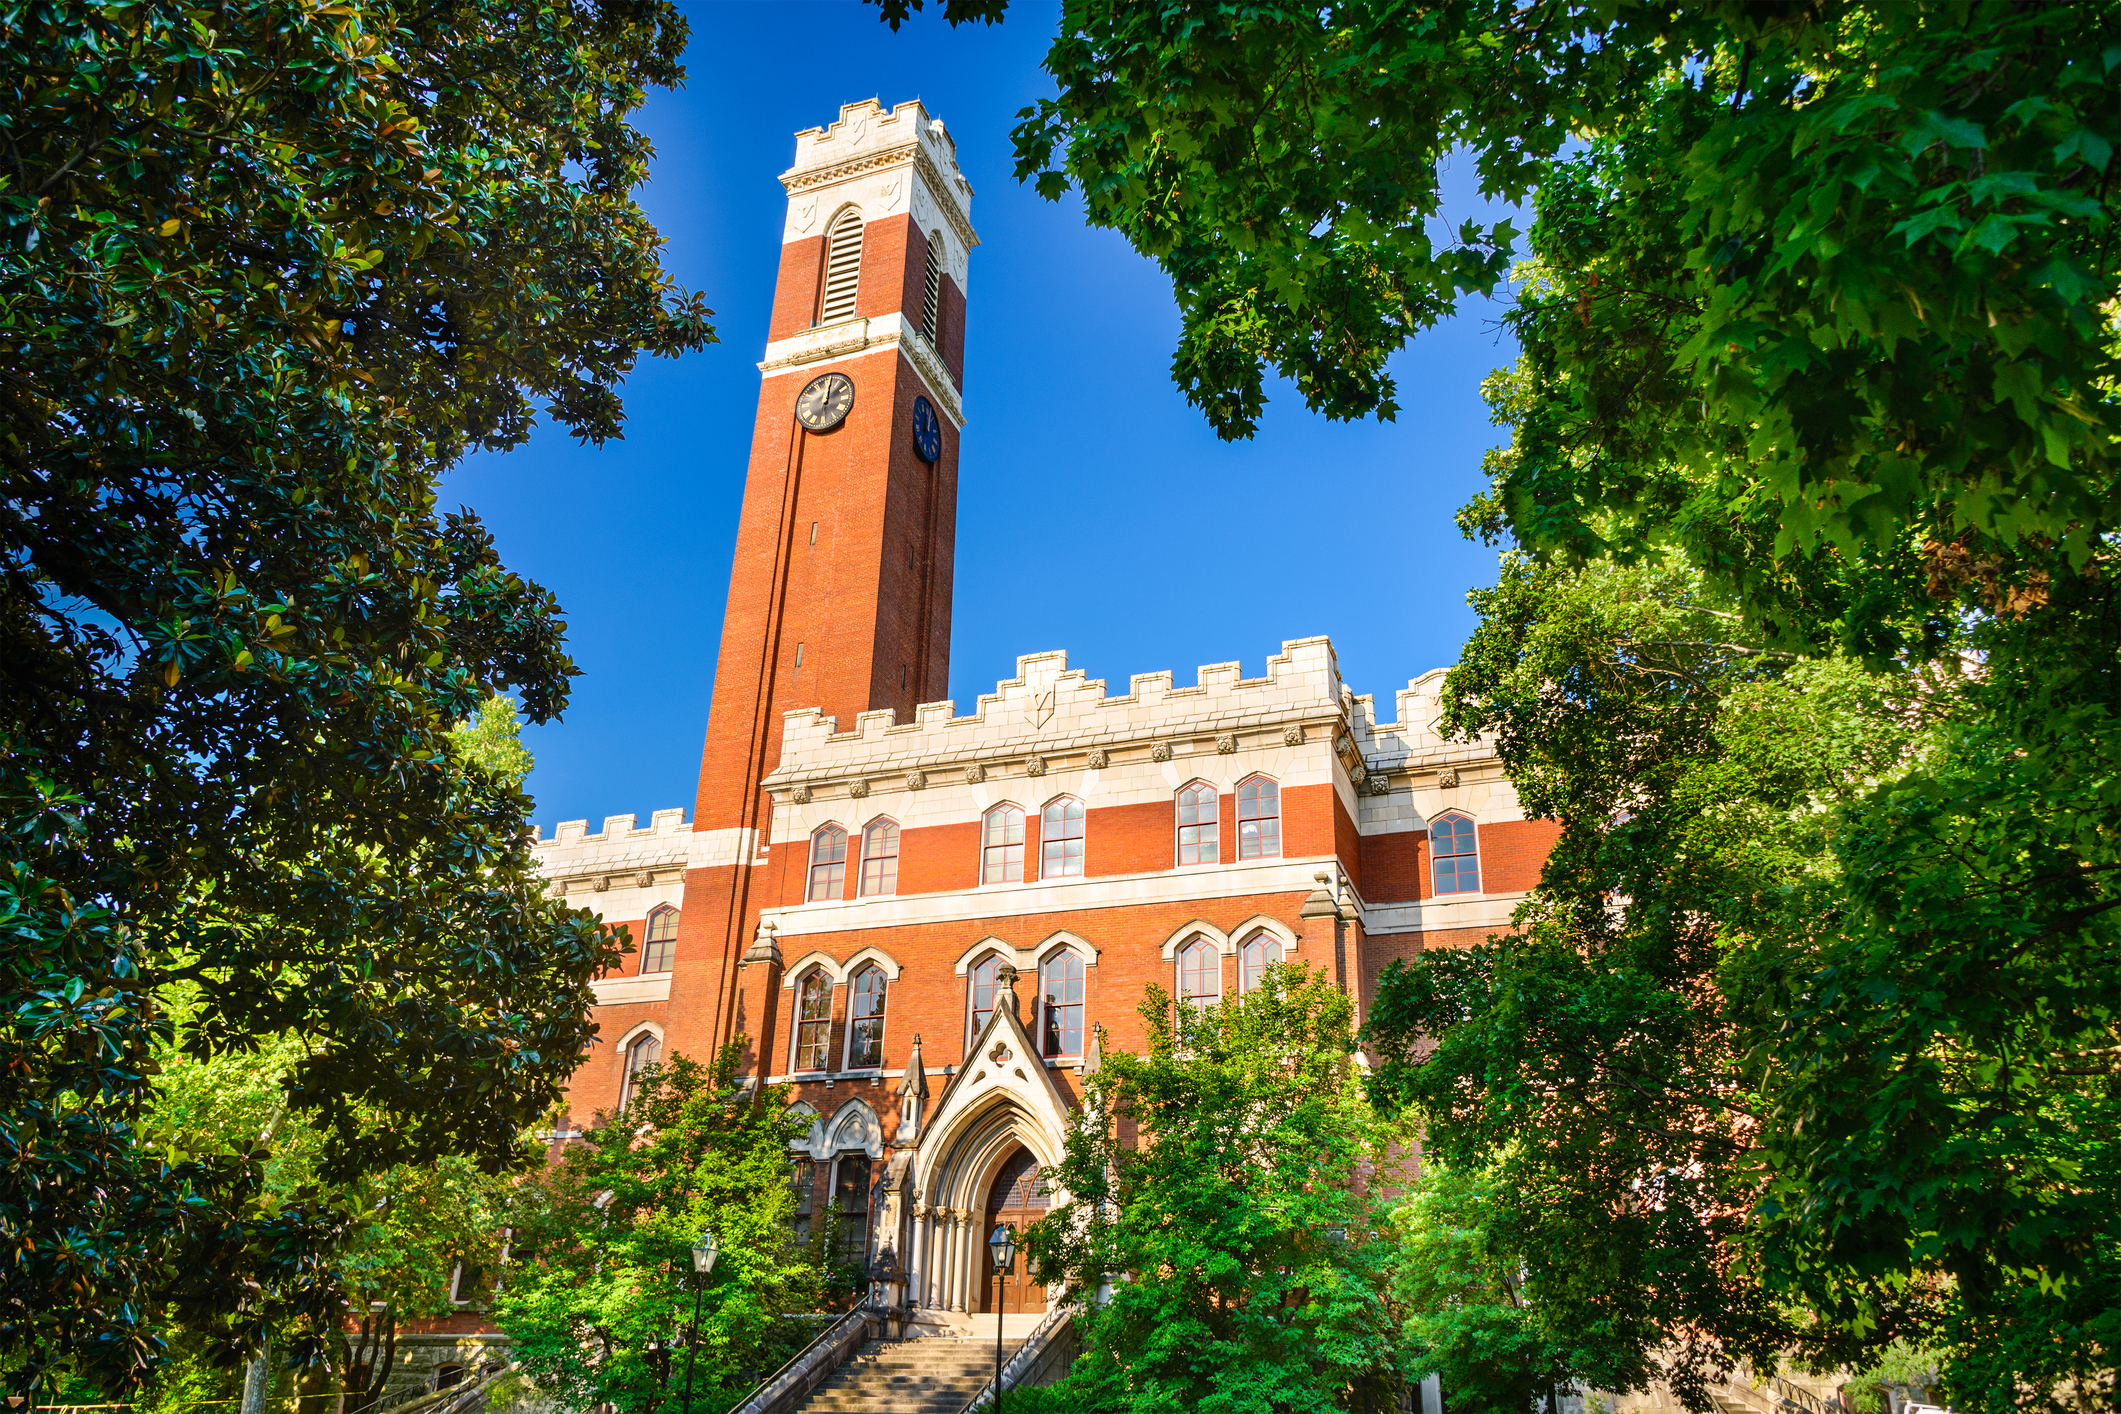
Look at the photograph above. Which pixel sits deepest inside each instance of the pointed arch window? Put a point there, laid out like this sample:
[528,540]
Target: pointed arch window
[843,266]
[865,1019]
[642,1052]
[931,294]
[1260,952]
[880,858]
[1198,842]
[1200,974]
[1455,853]
[1060,991]
[828,864]
[813,1019]
[660,944]
[1060,840]
[980,992]
[1259,819]
[1002,845]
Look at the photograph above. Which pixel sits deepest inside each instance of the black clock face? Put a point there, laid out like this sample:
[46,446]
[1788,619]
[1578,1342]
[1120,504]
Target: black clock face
[927,432]
[825,402]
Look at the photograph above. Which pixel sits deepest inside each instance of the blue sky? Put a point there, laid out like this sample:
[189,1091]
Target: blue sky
[1096,511]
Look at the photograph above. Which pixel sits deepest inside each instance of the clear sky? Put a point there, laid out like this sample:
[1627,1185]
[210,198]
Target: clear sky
[1096,512]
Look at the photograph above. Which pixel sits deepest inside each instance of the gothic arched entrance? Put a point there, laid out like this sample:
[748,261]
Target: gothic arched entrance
[1018,1199]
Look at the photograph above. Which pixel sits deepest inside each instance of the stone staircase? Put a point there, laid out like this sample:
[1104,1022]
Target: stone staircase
[929,1376]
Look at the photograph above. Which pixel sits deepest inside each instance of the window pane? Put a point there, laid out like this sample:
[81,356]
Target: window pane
[880,858]
[1199,973]
[1061,995]
[983,992]
[828,864]
[813,1021]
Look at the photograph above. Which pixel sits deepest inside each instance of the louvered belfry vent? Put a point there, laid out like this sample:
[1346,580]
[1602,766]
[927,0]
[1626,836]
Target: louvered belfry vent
[843,266]
[935,284]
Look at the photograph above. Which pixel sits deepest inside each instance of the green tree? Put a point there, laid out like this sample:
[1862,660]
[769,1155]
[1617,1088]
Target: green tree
[265,270]
[1461,1307]
[1220,1193]
[602,1261]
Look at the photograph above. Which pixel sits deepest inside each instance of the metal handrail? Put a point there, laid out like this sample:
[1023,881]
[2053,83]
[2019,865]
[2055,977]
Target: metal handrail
[832,1332]
[1804,1399]
[1034,1345]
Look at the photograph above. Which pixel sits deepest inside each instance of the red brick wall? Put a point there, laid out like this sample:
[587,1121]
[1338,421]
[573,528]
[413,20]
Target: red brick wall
[1129,839]
[795,292]
[935,858]
[1512,853]
[1309,819]
[1395,867]
[629,965]
[950,317]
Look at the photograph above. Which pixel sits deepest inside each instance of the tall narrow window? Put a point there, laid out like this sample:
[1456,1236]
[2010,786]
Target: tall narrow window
[1060,840]
[982,992]
[865,1019]
[880,858]
[813,1020]
[1002,846]
[850,1195]
[1197,839]
[1258,819]
[641,1052]
[828,864]
[1200,974]
[1061,996]
[934,291]
[661,942]
[843,266]
[1451,846]
[803,1179]
[1260,952]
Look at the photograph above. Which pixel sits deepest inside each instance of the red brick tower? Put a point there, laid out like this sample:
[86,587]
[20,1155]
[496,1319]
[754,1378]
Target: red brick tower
[840,593]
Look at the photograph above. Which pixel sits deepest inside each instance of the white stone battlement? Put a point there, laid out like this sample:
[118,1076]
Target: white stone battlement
[617,828]
[1049,707]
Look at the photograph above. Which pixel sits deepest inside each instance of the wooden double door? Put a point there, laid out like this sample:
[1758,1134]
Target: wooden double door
[1019,1200]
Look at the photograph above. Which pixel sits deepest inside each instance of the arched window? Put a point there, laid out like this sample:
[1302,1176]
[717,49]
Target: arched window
[662,940]
[1060,990]
[981,993]
[813,1019]
[1060,840]
[1260,952]
[850,1197]
[843,266]
[828,864]
[641,1052]
[880,858]
[1198,842]
[934,289]
[1451,846]
[865,1019]
[1002,846]
[1259,819]
[1200,974]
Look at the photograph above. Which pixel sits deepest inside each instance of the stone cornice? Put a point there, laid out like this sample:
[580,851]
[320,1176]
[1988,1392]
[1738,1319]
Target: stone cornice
[905,154]
[854,337]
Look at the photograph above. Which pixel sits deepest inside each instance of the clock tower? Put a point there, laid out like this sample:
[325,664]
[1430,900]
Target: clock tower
[839,597]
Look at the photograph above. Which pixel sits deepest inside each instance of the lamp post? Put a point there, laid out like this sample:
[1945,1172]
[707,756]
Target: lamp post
[1001,1245]
[703,1255]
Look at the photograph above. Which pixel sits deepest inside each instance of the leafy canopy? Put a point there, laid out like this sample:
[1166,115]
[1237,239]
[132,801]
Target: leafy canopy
[603,1242]
[1228,1174]
[265,271]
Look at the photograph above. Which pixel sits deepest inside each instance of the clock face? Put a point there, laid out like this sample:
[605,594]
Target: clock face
[927,432]
[825,403]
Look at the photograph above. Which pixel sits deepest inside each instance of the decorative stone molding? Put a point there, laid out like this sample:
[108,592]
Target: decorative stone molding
[1036,766]
[1226,745]
[916,780]
[1447,777]
[974,774]
[859,790]
[1378,783]
[1160,752]
[1294,736]
[603,882]
[643,878]
[1099,759]
[802,795]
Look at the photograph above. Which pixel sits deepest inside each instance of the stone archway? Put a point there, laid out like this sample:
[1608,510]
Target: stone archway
[1016,1199]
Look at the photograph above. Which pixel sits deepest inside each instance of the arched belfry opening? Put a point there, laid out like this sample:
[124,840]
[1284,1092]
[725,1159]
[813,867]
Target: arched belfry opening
[1016,1199]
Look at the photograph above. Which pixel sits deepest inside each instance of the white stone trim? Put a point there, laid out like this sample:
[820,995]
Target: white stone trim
[1264,923]
[875,954]
[632,1034]
[1201,928]
[1063,941]
[627,991]
[1434,915]
[1194,883]
[860,337]
[963,966]
[795,971]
